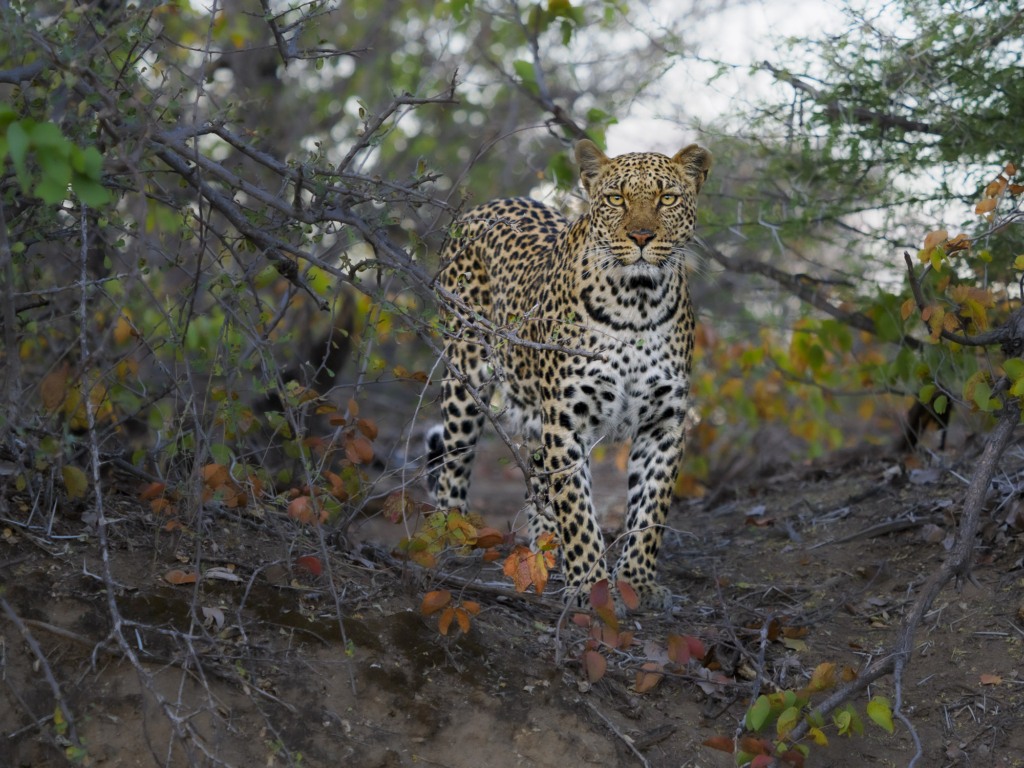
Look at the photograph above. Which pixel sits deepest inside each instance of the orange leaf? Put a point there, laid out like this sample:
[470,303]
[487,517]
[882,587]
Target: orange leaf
[151,491]
[907,308]
[582,619]
[435,601]
[257,486]
[420,376]
[180,577]
[52,388]
[463,618]
[595,665]
[926,313]
[363,449]
[986,205]
[446,620]
[336,420]
[753,746]
[721,743]
[368,428]
[599,595]
[487,538]
[696,647]
[648,678]
[310,563]
[625,640]
[491,555]
[678,649]
[849,673]
[1010,169]
[471,607]
[302,509]
[991,680]
[1016,189]
[215,475]
[934,238]
[353,407]
[159,505]
[628,595]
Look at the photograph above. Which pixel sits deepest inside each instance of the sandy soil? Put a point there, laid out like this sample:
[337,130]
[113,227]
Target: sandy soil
[274,684]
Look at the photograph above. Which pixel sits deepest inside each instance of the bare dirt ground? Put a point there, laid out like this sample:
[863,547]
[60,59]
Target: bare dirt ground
[263,676]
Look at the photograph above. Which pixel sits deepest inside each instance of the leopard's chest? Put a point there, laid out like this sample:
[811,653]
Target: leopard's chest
[638,381]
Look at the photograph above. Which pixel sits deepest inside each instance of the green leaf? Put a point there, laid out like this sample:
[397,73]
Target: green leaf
[940,404]
[93,163]
[524,69]
[1014,368]
[91,193]
[927,393]
[18,143]
[221,453]
[982,394]
[1017,389]
[879,711]
[1018,263]
[758,714]
[816,357]
[49,135]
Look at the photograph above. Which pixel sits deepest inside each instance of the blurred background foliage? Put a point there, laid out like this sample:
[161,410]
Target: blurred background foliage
[278,334]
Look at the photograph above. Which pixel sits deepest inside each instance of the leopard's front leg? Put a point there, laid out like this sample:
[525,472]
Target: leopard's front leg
[567,476]
[653,467]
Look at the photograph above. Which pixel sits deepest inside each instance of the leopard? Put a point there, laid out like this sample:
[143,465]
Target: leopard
[602,308]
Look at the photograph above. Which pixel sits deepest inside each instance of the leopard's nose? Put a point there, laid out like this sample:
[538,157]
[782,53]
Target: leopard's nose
[641,236]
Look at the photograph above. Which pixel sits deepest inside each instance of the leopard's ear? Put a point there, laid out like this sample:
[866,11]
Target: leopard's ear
[590,160]
[695,162]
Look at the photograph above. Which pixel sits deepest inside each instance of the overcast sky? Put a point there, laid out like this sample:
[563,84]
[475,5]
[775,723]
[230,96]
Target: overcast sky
[742,35]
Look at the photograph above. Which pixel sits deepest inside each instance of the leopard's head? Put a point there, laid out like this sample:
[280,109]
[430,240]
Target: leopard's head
[642,206]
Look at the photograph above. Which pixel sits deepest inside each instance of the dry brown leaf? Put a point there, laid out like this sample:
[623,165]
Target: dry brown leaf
[934,238]
[52,388]
[648,677]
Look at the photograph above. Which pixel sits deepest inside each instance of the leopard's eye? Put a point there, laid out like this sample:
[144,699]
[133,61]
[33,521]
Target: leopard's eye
[668,199]
[616,200]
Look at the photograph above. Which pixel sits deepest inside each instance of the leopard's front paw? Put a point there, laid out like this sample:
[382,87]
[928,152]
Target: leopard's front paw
[655,597]
[651,597]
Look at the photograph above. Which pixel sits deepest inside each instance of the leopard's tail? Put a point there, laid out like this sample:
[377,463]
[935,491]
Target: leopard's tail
[434,443]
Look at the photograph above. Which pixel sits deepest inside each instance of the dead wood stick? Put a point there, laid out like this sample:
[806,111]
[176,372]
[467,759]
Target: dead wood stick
[957,564]
[625,739]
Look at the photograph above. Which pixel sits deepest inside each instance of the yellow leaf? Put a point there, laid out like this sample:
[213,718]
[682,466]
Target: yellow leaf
[936,258]
[122,330]
[943,283]
[818,736]
[75,481]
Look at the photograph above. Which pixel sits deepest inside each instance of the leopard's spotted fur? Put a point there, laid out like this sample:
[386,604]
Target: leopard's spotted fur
[614,281]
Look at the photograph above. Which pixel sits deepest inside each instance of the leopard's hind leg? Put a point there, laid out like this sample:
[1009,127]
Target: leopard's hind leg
[451,446]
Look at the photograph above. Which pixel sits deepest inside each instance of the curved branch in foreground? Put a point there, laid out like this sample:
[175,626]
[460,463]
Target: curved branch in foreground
[957,564]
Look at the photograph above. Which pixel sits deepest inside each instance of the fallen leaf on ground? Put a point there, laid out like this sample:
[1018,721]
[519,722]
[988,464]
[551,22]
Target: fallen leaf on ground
[180,577]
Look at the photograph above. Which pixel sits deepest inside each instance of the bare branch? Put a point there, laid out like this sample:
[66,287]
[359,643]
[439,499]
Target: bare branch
[859,115]
[18,75]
